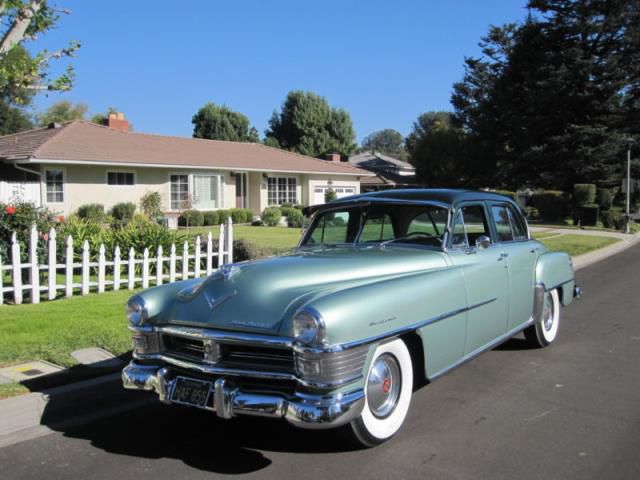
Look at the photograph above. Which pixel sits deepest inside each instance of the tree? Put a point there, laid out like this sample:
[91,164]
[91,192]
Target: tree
[23,20]
[553,100]
[13,119]
[62,111]
[438,149]
[388,141]
[307,124]
[221,123]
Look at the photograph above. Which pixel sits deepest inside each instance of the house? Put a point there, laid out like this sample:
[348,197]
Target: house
[389,172]
[67,165]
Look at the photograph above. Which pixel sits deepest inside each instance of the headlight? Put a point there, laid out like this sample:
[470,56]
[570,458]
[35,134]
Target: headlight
[308,327]
[136,311]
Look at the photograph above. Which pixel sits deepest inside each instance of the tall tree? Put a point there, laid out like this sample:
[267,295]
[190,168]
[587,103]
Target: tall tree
[20,21]
[553,100]
[13,119]
[388,141]
[307,124]
[438,149]
[221,123]
[62,111]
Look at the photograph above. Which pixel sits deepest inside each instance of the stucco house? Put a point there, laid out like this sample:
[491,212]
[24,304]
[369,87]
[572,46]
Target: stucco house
[71,164]
[389,172]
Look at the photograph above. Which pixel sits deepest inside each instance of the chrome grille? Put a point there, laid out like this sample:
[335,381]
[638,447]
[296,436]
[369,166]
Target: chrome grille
[183,347]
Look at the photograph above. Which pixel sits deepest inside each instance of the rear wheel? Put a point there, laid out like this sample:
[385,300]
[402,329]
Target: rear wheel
[544,333]
[388,389]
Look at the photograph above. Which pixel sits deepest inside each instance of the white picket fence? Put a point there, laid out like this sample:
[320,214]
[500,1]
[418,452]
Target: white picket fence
[182,265]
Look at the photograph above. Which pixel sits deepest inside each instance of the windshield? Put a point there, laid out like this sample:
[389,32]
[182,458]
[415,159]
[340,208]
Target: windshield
[379,224]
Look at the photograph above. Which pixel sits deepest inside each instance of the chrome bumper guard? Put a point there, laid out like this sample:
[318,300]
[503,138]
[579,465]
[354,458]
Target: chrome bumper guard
[301,410]
[577,292]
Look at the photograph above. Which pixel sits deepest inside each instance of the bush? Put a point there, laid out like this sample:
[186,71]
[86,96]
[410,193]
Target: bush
[552,205]
[271,216]
[584,194]
[223,216]
[330,195]
[191,218]
[238,215]
[508,193]
[18,217]
[122,213]
[295,218]
[211,218]
[604,199]
[150,204]
[249,215]
[587,215]
[612,218]
[532,213]
[94,212]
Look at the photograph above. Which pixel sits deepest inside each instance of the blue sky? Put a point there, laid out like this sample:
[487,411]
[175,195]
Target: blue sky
[385,62]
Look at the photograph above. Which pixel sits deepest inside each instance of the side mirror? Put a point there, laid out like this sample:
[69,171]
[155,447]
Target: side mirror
[483,241]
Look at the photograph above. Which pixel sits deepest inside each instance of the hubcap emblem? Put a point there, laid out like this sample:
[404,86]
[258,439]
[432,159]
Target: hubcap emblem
[386,385]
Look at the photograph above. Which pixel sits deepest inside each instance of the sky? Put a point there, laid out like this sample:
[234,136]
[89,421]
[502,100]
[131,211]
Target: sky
[385,62]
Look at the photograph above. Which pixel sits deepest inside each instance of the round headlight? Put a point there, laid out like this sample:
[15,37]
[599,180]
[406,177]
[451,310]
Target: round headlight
[308,328]
[136,311]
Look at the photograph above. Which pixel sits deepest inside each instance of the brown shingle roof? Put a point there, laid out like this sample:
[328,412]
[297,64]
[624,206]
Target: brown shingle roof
[86,142]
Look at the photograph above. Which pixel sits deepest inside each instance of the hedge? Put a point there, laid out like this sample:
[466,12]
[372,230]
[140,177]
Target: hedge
[295,218]
[191,218]
[604,199]
[584,194]
[612,218]
[211,218]
[552,205]
[587,215]
[271,216]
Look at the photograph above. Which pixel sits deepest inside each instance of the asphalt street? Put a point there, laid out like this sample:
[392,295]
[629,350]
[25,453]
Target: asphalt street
[568,411]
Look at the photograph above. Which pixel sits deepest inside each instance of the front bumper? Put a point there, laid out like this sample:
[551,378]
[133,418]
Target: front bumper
[301,410]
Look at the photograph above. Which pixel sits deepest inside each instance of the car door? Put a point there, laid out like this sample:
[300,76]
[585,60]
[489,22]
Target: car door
[485,273]
[521,255]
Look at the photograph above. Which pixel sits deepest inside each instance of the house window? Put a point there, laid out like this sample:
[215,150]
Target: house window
[179,192]
[120,178]
[54,180]
[282,190]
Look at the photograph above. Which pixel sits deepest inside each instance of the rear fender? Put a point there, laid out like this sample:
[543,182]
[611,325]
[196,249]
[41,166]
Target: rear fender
[554,270]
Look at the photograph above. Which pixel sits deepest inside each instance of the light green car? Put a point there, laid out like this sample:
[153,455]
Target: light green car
[385,290]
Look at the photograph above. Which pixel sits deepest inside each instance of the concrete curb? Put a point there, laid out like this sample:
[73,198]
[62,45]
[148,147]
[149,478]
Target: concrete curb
[40,413]
[29,416]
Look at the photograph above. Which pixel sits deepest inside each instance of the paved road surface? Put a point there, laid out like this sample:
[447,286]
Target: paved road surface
[569,411]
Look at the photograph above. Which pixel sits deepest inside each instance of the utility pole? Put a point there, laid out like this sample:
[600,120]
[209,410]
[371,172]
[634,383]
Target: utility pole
[627,222]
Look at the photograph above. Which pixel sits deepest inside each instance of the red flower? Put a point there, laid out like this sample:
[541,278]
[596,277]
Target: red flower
[10,210]
[60,218]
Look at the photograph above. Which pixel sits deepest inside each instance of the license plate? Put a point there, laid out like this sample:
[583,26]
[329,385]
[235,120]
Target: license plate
[189,391]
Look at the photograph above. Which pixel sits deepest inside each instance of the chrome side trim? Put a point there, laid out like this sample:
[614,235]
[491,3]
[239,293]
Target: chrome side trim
[393,333]
[221,336]
[481,350]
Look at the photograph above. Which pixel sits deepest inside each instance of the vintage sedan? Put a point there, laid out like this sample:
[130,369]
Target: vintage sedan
[384,290]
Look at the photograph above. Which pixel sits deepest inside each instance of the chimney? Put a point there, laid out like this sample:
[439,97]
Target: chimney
[117,121]
[333,157]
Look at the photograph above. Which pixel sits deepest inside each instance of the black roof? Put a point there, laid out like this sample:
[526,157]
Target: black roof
[440,196]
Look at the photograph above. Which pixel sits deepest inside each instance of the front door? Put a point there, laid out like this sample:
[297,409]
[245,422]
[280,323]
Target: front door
[486,278]
[241,190]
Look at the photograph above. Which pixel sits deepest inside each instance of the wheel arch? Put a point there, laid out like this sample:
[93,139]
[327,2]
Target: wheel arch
[415,345]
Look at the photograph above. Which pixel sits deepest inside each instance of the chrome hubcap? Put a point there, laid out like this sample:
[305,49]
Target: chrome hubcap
[548,312]
[383,385]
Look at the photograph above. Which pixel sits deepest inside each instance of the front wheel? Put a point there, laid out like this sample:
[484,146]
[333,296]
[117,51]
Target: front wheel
[388,391]
[544,333]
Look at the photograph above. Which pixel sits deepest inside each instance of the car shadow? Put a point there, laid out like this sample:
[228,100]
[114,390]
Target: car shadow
[513,344]
[201,440]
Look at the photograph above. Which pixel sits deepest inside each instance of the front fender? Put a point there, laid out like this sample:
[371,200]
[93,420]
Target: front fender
[555,270]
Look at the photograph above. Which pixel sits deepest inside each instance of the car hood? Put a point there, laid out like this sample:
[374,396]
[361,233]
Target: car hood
[257,296]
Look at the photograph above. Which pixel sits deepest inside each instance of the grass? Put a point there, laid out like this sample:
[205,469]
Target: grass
[576,245]
[276,238]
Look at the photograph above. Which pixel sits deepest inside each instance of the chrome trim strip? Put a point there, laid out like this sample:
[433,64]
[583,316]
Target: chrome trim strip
[481,350]
[399,331]
[222,336]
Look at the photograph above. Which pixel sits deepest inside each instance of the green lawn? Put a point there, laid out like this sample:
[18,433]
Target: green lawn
[577,244]
[276,238]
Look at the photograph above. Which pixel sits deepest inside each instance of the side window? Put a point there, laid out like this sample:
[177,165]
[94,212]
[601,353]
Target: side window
[503,224]
[432,222]
[331,229]
[470,224]
[517,224]
[377,228]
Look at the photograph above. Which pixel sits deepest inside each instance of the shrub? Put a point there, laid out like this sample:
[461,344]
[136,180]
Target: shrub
[295,218]
[18,217]
[508,193]
[330,195]
[587,215]
[223,216]
[532,213]
[249,215]
[122,213]
[552,205]
[612,218]
[238,215]
[604,199]
[271,216]
[151,205]
[191,218]
[93,212]
[211,218]
[584,194]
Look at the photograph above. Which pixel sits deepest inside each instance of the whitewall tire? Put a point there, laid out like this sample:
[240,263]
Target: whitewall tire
[388,389]
[545,332]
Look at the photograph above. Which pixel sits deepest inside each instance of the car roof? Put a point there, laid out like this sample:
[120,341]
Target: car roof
[444,197]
